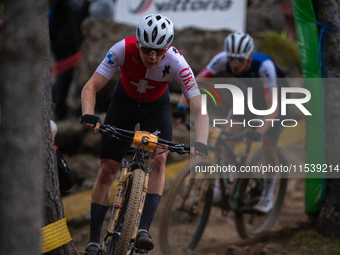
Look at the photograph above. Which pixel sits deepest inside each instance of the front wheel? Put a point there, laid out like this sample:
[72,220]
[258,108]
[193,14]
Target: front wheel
[248,221]
[186,211]
[121,239]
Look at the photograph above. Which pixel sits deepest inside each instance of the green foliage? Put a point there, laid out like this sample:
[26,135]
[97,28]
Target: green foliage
[311,242]
[283,50]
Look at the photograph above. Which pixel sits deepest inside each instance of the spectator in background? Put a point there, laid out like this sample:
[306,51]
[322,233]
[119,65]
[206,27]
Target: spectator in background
[65,19]
[66,178]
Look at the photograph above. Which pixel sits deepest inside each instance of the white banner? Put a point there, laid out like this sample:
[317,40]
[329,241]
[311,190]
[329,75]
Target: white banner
[204,14]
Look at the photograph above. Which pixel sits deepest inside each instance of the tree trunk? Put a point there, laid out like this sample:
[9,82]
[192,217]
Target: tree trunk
[27,153]
[22,50]
[328,221]
[53,206]
[54,210]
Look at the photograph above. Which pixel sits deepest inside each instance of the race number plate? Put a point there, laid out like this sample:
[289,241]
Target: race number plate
[145,139]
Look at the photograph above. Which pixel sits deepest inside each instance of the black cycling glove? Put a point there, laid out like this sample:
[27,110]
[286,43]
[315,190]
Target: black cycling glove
[179,113]
[201,147]
[90,119]
[253,135]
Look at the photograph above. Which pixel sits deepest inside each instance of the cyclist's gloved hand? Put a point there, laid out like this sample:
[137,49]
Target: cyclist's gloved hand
[200,147]
[253,135]
[90,119]
[179,113]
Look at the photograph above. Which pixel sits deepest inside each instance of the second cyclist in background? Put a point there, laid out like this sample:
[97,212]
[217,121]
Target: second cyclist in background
[239,60]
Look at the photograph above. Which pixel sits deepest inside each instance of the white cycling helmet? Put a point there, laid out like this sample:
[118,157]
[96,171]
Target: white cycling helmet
[238,45]
[155,31]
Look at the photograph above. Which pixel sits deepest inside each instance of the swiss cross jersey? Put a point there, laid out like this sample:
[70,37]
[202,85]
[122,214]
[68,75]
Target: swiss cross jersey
[262,66]
[146,85]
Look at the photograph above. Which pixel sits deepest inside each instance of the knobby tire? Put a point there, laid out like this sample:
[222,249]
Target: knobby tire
[202,219]
[131,215]
[271,217]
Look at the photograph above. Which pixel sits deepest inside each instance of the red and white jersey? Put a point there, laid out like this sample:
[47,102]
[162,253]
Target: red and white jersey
[146,85]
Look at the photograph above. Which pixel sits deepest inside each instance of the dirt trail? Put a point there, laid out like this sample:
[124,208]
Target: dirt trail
[221,231]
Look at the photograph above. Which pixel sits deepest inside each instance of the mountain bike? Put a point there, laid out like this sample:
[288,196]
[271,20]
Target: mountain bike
[190,200]
[132,187]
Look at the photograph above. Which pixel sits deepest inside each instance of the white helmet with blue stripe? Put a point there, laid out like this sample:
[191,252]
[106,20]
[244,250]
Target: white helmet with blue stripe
[238,45]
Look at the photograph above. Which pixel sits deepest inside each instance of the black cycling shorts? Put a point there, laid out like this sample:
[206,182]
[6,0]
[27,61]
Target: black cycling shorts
[125,113]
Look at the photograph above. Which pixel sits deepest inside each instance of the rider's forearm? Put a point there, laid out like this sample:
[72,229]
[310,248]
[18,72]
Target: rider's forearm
[202,127]
[88,99]
[201,121]
[88,94]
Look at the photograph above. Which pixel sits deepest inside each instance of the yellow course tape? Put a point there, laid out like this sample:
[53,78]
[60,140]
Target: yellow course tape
[54,235]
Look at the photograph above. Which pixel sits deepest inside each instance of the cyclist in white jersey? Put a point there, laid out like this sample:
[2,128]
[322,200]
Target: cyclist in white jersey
[148,63]
[239,60]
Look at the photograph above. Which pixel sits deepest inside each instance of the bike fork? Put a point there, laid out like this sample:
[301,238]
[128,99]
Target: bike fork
[117,204]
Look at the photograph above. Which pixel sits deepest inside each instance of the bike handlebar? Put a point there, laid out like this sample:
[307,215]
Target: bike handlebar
[128,136]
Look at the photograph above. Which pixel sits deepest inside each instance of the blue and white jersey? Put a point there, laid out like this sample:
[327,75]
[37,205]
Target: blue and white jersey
[262,67]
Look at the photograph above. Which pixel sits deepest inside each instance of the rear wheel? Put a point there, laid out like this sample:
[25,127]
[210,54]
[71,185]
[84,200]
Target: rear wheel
[186,211]
[248,221]
[121,240]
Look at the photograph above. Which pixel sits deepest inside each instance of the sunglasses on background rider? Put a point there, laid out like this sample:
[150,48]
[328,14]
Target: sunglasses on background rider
[237,61]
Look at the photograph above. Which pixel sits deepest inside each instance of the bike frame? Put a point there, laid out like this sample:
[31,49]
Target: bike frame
[238,159]
[139,158]
[144,144]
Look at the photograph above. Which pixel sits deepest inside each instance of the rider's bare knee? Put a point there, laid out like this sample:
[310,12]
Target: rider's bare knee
[158,163]
[107,171]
